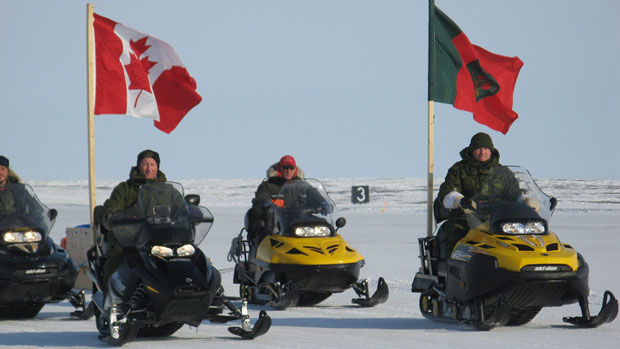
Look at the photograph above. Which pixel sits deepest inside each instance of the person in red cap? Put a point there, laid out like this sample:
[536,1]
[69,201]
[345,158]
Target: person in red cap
[277,174]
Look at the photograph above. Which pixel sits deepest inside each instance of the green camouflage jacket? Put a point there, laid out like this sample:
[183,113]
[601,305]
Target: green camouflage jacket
[125,194]
[467,175]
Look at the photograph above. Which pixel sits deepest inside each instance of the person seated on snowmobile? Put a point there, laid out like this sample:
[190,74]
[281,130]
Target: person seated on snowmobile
[124,196]
[464,181]
[6,177]
[7,196]
[6,174]
[277,174]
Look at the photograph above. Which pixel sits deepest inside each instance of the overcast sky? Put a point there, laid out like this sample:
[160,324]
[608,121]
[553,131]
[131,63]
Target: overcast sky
[340,85]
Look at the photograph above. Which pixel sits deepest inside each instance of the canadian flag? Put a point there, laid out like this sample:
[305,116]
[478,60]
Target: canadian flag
[141,76]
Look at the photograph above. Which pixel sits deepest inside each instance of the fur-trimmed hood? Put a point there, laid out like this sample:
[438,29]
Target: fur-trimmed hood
[274,171]
[13,177]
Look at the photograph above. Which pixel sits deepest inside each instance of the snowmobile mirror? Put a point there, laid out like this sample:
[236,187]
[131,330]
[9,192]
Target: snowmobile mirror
[193,199]
[554,202]
[340,222]
[52,214]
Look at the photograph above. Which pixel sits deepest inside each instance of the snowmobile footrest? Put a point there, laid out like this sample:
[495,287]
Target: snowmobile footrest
[380,296]
[609,311]
[261,327]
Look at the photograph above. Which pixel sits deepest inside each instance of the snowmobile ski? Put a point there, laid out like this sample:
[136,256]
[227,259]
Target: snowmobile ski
[380,296]
[608,313]
[261,327]
[78,300]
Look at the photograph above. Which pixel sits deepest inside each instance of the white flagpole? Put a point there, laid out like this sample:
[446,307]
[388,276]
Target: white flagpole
[91,119]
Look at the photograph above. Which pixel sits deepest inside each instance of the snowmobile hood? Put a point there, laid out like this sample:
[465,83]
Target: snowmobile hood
[276,249]
[519,252]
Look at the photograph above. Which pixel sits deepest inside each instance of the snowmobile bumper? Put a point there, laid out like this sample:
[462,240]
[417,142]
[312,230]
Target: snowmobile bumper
[36,278]
[320,278]
[536,286]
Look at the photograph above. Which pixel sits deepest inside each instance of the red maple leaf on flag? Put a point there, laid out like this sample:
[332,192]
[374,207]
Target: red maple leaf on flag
[138,69]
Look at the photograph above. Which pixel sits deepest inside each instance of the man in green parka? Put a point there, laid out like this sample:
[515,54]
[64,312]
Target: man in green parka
[463,181]
[125,195]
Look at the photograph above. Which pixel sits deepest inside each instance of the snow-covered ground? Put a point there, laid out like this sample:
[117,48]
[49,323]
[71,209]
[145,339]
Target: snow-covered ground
[386,232]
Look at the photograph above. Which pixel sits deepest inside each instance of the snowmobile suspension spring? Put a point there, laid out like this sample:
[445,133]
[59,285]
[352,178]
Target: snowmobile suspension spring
[138,297]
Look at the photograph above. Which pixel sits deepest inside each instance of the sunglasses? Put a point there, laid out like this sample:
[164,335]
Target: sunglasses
[288,167]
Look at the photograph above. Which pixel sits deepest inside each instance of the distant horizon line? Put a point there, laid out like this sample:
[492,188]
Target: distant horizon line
[319,178]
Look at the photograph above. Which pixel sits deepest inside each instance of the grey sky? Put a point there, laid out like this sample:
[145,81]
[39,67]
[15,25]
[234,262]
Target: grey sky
[340,85]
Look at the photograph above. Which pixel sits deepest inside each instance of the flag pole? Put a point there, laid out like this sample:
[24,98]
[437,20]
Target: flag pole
[431,152]
[431,118]
[91,119]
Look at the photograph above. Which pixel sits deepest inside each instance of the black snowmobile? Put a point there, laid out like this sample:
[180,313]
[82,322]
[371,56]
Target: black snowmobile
[33,269]
[302,260]
[509,265]
[176,283]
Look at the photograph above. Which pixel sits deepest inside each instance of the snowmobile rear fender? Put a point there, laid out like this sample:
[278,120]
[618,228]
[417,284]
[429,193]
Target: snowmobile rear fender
[423,282]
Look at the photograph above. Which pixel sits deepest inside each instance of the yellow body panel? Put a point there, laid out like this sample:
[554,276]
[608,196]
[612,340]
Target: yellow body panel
[508,255]
[277,249]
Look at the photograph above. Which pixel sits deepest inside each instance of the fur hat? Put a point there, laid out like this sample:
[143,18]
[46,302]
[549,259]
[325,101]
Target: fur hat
[481,140]
[148,154]
[4,161]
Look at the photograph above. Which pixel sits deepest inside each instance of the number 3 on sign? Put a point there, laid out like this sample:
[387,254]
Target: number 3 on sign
[360,194]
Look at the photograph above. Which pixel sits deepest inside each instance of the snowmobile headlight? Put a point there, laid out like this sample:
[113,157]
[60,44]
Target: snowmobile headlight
[312,231]
[186,250]
[535,228]
[22,236]
[162,251]
[529,228]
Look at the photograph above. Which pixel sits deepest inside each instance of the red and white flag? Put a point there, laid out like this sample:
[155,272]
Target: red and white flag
[139,75]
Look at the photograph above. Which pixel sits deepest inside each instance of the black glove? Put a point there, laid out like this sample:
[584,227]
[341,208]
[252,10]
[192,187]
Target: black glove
[108,217]
[467,204]
[326,209]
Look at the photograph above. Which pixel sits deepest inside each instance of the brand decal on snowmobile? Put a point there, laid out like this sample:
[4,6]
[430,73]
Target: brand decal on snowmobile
[546,268]
[35,271]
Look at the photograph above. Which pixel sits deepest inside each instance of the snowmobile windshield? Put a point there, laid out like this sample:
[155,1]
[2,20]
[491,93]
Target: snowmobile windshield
[511,202]
[303,209]
[161,215]
[23,218]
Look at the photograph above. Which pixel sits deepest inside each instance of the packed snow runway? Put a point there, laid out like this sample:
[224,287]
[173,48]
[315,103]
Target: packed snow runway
[385,232]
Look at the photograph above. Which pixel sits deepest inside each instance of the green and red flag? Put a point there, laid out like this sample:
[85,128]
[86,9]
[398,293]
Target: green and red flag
[468,76]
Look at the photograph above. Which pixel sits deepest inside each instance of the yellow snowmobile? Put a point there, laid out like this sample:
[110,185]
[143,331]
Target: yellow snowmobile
[302,260]
[509,265]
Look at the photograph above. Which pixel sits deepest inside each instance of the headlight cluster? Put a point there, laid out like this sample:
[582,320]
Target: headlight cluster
[167,252]
[312,231]
[22,236]
[529,228]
